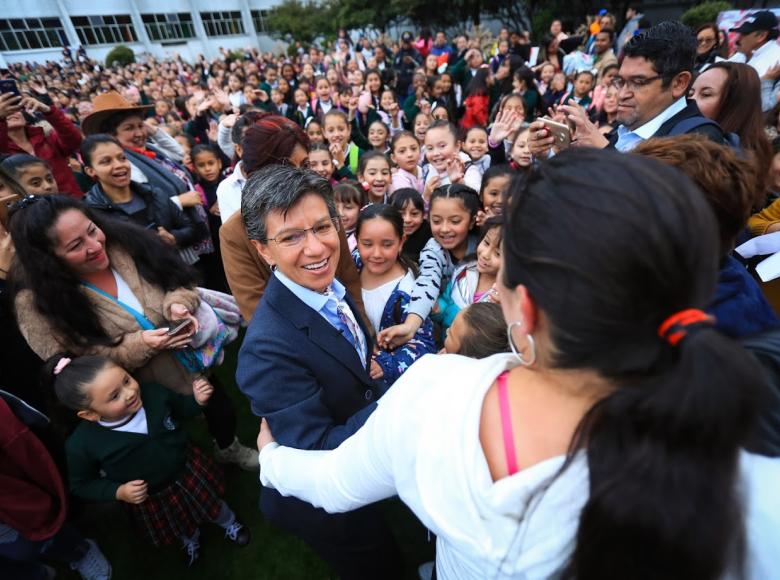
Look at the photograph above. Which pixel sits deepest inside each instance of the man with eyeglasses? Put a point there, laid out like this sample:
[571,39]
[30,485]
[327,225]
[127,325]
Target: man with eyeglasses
[305,360]
[652,84]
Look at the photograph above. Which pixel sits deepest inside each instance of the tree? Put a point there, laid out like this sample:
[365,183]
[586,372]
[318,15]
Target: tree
[303,20]
[704,13]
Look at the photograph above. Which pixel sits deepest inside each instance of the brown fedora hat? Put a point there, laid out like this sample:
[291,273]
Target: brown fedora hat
[106,105]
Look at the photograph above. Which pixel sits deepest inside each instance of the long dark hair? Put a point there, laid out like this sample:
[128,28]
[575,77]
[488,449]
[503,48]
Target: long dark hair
[663,446]
[57,289]
[390,214]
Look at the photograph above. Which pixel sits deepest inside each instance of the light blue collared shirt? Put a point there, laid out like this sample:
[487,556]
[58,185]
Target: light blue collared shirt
[327,307]
[628,139]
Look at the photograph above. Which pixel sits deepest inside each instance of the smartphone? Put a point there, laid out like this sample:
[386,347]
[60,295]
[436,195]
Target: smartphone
[559,131]
[178,326]
[9,86]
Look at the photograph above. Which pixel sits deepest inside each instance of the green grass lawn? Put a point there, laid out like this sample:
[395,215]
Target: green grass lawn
[272,554]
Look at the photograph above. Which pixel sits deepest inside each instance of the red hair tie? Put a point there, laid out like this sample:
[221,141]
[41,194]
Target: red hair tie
[677,326]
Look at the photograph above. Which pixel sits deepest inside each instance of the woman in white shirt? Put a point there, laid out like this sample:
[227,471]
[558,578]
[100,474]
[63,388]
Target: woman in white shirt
[612,446]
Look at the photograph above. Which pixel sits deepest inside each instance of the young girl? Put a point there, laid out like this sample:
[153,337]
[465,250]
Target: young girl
[323,103]
[33,173]
[349,198]
[387,280]
[556,90]
[475,145]
[131,447]
[405,153]
[524,83]
[546,74]
[417,230]
[336,129]
[580,94]
[390,111]
[302,111]
[495,183]
[321,163]
[452,215]
[374,86]
[374,175]
[520,157]
[207,169]
[313,129]
[478,331]
[446,162]
[378,136]
[422,121]
[474,281]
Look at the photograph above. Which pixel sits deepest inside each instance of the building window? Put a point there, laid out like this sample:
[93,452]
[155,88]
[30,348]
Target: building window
[222,23]
[31,33]
[164,27]
[104,29]
[258,18]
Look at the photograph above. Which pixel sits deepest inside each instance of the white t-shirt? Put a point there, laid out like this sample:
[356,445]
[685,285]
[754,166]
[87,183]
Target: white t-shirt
[375,300]
[125,295]
[422,443]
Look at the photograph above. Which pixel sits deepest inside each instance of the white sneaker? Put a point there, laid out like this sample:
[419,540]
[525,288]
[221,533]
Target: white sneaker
[93,566]
[241,455]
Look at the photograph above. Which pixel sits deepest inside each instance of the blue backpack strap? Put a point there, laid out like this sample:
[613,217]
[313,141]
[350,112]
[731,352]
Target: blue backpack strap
[140,318]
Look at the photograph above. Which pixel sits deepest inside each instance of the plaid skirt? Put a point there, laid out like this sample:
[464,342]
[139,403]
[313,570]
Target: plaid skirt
[178,510]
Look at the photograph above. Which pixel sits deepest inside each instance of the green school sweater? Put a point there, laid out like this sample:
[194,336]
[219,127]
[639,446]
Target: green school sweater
[157,457]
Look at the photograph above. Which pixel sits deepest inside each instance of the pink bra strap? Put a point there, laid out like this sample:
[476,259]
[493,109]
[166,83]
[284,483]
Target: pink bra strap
[506,424]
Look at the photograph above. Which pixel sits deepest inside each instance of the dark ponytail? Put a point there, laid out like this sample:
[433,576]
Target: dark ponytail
[68,376]
[663,446]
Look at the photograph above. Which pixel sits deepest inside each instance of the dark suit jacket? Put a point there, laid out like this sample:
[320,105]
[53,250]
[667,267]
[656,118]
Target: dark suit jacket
[710,131]
[302,375]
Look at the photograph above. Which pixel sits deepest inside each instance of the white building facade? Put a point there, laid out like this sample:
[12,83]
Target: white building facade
[37,30]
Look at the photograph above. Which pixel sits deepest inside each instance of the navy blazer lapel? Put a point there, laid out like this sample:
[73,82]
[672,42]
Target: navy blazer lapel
[320,331]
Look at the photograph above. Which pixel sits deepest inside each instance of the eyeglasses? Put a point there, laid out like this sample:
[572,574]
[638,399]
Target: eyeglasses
[321,231]
[633,83]
[705,40]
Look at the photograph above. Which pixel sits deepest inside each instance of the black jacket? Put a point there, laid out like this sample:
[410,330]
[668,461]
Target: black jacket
[710,130]
[160,211]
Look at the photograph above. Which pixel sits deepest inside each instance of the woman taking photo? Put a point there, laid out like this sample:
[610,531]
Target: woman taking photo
[81,284]
[608,445]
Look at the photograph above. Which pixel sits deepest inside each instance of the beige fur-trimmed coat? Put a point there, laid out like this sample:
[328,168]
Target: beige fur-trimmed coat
[132,353]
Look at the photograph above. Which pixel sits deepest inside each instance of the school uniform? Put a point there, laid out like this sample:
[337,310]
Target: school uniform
[184,484]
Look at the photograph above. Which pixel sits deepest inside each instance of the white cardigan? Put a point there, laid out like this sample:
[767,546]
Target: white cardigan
[422,443]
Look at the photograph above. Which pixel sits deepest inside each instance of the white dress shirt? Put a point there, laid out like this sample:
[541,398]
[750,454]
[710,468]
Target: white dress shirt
[628,139]
[229,193]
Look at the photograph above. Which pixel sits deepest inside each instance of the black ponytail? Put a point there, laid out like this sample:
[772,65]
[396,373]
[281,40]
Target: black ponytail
[68,376]
[663,447]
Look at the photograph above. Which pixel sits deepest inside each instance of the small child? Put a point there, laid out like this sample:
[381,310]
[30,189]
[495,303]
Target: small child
[387,280]
[478,331]
[349,198]
[378,136]
[336,130]
[417,230]
[33,173]
[520,157]
[323,103]
[374,176]
[321,163]
[446,162]
[390,111]
[130,447]
[207,169]
[583,84]
[474,281]
[313,129]
[405,153]
[421,123]
[495,183]
[302,111]
[475,145]
[187,143]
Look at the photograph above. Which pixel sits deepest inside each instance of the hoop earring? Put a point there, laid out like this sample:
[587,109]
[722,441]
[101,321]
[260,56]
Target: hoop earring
[526,362]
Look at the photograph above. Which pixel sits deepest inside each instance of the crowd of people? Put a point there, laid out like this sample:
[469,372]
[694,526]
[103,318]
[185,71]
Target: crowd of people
[493,276]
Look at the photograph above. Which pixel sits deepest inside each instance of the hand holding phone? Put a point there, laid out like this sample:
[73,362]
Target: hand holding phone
[559,131]
[178,326]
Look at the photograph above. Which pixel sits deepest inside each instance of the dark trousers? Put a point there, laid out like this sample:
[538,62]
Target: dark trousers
[20,559]
[358,545]
[220,415]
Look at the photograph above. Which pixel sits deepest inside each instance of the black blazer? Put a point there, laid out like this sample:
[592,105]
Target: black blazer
[302,375]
